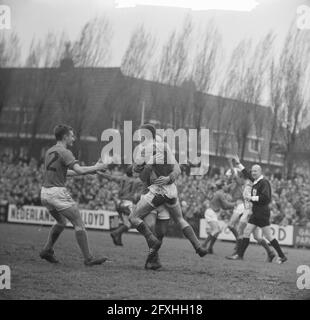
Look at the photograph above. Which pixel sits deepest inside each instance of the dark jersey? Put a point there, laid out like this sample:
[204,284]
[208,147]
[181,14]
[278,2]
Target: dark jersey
[236,190]
[219,201]
[160,157]
[262,190]
[57,161]
[129,188]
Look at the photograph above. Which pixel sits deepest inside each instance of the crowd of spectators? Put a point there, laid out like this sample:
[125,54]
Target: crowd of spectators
[20,184]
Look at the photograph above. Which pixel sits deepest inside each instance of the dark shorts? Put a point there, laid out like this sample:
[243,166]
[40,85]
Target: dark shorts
[125,207]
[260,221]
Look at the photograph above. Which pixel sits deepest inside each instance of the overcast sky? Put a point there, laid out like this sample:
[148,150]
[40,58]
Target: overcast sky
[36,17]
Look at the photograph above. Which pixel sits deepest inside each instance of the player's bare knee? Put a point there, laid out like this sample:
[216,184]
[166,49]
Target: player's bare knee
[269,237]
[246,233]
[216,230]
[127,223]
[78,224]
[134,220]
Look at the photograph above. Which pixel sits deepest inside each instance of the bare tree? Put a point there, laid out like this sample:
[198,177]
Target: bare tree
[73,97]
[245,82]
[137,57]
[10,50]
[294,66]
[232,87]
[92,48]
[9,57]
[46,53]
[43,56]
[204,69]
[173,65]
[275,94]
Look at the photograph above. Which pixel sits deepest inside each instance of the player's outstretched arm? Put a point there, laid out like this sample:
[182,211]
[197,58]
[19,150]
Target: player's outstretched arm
[82,170]
[110,176]
[72,173]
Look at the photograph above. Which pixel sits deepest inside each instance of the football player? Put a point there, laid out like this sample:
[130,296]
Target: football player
[162,191]
[130,190]
[60,163]
[218,202]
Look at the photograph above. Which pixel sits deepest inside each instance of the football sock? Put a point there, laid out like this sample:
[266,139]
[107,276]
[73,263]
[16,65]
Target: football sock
[207,241]
[82,240]
[234,232]
[265,245]
[238,244]
[191,236]
[161,229]
[121,229]
[243,246]
[212,241]
[147,233]
[54,234]
[276,245]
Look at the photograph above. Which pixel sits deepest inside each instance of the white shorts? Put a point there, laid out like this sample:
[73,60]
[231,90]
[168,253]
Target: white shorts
[157,199]
[56,198]
[211,215]
[245,216]
[237,213]
[169,190]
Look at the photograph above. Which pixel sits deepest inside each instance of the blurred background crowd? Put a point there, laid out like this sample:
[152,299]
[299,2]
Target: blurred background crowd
[20,184]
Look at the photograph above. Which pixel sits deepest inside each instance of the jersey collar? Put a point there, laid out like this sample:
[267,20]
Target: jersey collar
[258,179]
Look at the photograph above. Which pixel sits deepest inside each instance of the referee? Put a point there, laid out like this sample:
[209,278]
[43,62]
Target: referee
[260,217]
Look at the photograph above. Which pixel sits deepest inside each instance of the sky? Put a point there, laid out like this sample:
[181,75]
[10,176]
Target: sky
[235,19]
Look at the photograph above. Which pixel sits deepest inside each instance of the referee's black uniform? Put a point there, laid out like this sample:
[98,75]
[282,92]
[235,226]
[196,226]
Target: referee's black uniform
[261,192]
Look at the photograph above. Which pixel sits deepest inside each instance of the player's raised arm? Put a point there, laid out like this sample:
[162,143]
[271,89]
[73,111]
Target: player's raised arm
[241,167]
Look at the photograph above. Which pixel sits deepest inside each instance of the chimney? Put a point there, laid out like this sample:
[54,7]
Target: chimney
[67,62]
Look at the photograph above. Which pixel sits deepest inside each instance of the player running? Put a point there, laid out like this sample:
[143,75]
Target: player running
[162,191]
[260,198]
[60,163]
[160,216]
[218,202]
[131,188]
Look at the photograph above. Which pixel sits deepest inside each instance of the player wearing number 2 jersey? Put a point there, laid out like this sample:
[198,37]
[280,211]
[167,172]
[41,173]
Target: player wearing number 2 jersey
[60,163]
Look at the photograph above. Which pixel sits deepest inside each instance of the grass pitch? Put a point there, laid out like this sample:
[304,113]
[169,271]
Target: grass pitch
[184,274]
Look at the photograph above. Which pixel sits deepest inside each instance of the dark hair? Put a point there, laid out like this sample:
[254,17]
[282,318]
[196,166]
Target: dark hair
[149,127]
[61,130]
[219,184]
[129,171]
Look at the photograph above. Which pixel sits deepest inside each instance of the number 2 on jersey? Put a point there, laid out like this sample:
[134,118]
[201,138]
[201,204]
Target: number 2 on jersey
[55,158]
